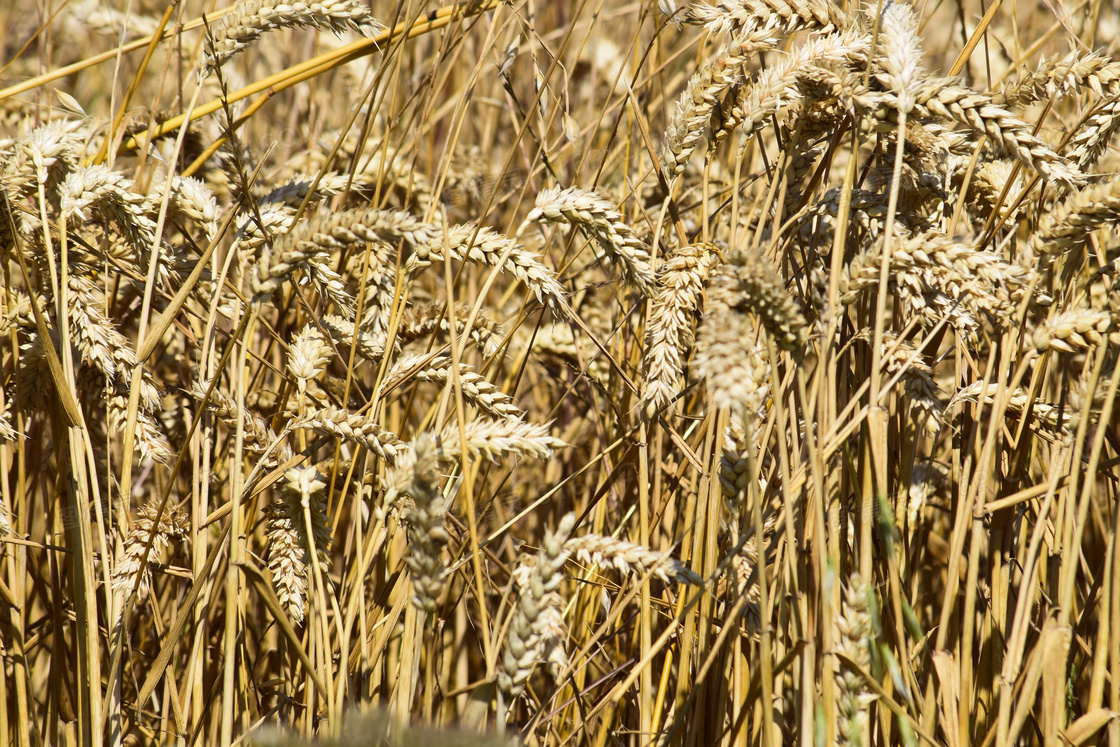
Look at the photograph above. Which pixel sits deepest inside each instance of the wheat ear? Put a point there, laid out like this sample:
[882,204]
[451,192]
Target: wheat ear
[537,629]
[173,525]
[248,21]
[289,541]
[669,331]
[588,210]
[424,519]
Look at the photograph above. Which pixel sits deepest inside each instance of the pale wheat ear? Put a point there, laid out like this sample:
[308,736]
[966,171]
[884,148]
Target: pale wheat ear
[424,518]
[293,544]
[536,632]
[854,625]
[751,283]
[424,319]
[249,20]
[669,330]
[173,526]
[739,16]
[585,209]
[703,95]
[482,245]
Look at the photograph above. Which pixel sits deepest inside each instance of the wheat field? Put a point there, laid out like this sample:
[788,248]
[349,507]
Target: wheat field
[586,373]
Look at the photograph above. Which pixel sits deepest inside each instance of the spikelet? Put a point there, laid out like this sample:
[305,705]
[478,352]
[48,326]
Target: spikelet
[424,519]
[586,209]
[173,525]
[257,438]
[43,156]
[275,220]
[305,246]
[275,267]
[537,630]
[192,199]
[1073,330]
[289,541]
[488,439]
